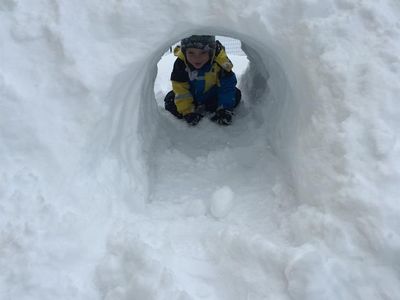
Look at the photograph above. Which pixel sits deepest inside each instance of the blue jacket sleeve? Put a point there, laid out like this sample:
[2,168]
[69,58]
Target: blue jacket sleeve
[226,91]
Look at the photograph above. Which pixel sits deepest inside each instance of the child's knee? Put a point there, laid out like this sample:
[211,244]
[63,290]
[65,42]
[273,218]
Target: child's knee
[170,97]
[169,104]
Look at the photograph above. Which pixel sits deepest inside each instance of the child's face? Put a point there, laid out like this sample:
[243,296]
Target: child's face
[197,57]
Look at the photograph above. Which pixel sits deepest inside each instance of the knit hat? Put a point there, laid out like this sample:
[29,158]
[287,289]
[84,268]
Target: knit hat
[203,42]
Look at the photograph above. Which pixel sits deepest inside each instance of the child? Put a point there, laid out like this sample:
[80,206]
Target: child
[202,81]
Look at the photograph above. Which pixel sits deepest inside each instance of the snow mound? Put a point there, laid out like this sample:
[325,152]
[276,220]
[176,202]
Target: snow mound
[104,194]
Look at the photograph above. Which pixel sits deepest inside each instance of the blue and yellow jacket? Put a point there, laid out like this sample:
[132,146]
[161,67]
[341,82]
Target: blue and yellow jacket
[215,78]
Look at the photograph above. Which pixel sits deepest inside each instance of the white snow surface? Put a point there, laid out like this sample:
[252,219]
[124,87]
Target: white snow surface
[104,195]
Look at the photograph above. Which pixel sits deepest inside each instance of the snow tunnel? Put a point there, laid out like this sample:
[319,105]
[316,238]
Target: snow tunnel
[266,87]
[274,85]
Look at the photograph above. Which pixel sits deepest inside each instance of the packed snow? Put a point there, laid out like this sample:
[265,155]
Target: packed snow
[104,195]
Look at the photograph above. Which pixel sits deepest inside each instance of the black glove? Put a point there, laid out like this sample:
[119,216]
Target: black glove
[193,118]
[222,116]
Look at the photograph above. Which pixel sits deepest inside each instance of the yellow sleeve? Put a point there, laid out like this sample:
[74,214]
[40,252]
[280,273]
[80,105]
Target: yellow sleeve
[183,97]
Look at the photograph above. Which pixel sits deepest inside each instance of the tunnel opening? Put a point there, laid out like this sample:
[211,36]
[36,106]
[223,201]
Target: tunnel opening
[270,82]
[273,85]
[233,48]
[253,149]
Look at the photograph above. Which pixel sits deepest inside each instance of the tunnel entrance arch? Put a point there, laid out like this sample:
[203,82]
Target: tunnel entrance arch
[272,79]
[273,83]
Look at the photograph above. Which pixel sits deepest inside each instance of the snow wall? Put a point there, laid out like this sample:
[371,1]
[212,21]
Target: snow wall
[77,95]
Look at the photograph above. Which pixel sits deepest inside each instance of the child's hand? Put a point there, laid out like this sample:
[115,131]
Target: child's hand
[223,117]
[193,118]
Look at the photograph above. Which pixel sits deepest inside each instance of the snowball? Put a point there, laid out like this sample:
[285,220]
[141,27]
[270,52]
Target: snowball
[221,202]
